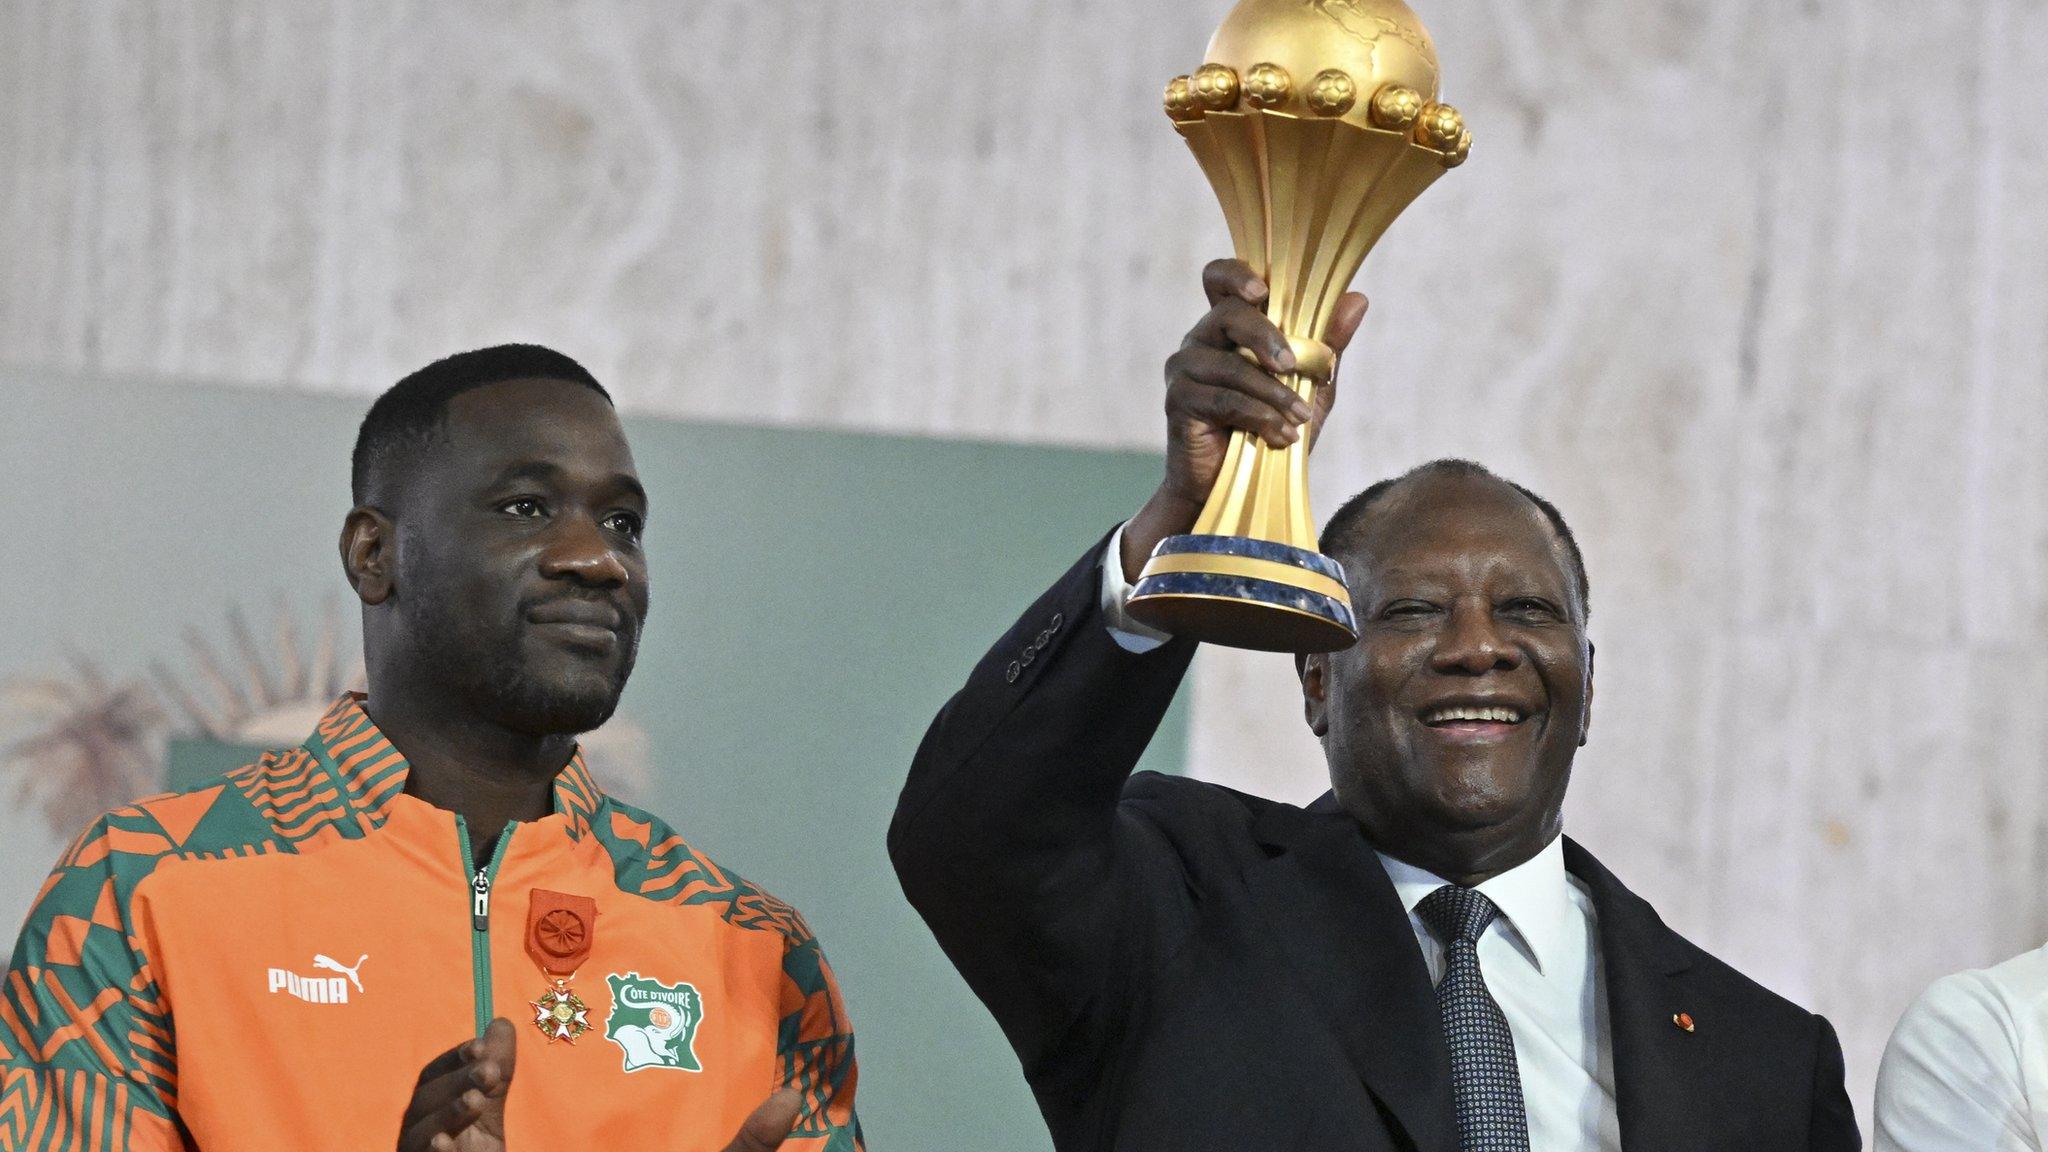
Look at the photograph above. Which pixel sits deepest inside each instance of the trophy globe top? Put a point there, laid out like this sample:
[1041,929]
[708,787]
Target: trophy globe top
[1370,62]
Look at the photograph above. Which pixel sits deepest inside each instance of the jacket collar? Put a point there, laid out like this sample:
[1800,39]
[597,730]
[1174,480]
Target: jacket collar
[372,773]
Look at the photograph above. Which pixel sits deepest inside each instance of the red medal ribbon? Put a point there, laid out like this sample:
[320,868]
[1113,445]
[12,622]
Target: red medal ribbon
[559,931]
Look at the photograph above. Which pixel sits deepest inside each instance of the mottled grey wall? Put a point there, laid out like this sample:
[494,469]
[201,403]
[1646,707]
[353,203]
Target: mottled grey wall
[1754,289]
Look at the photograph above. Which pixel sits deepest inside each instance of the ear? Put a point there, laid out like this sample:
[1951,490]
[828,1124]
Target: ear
[369,553]
[1314,669]
[1586,715]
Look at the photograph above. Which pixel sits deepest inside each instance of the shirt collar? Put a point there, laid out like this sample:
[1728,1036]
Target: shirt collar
[1534,897]
[373,772]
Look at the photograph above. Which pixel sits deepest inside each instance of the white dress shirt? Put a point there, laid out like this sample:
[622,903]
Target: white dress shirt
[1540,958]
[1128,633]
[1967,1067]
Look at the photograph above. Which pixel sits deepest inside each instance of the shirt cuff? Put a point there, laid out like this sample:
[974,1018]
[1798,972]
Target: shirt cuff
[1129,635]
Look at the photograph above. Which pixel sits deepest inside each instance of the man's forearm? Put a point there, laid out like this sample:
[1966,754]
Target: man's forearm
[1035,748]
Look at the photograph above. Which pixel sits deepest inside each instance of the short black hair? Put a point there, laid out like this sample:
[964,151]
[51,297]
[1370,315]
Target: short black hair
[1350,518]
[414,412]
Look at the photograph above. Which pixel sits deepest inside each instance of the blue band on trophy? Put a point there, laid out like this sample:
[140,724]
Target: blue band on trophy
[1271,550]
[1226,587]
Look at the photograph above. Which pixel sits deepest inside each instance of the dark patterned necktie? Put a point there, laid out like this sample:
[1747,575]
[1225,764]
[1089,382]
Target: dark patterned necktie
[1486,1088]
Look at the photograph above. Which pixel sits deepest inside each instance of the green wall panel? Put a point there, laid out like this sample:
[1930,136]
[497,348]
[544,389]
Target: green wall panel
[817,595]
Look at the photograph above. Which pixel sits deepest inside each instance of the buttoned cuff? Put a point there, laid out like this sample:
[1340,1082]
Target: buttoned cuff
[1129,635]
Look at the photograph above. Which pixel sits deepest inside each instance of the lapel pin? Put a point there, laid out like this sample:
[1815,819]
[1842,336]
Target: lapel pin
[1683,1020]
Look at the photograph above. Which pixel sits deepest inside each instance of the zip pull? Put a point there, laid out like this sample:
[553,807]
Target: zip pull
[480,903]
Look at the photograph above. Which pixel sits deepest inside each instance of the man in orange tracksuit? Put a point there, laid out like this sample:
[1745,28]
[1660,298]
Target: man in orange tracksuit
[329,949]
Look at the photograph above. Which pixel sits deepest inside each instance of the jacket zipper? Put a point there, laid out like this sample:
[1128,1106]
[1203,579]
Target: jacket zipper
[480,918]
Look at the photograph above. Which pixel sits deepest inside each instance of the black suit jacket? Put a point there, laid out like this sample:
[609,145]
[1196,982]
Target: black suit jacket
[1185,968]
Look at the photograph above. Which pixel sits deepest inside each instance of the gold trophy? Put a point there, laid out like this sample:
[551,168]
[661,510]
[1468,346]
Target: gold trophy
[1316,123]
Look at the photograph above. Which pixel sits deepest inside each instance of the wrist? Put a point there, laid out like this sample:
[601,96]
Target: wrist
[1166,513]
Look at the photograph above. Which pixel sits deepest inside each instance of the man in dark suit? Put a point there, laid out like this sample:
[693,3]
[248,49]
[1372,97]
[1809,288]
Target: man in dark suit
[1418,960]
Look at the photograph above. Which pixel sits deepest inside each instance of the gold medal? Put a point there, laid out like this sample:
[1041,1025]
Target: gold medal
[559,932]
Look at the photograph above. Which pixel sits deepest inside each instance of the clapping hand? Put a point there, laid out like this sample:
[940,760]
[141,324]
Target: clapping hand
[458,1105]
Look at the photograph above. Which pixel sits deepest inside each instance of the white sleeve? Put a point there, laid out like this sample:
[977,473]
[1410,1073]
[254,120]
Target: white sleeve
[1129,635]
[1952,1080]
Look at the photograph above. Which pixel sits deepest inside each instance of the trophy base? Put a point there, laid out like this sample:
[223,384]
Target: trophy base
[1245,593]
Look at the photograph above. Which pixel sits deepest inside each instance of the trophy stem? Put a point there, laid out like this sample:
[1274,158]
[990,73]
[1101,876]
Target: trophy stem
[1262,491]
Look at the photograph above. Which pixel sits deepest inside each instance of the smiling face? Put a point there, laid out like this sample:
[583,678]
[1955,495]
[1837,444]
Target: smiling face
[1450,726]
[519,585]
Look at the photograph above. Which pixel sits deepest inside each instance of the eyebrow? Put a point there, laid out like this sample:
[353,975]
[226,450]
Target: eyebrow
[1431,580]
[546,473]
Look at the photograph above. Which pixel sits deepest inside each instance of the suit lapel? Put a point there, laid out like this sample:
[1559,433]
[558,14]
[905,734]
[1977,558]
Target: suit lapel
[1658,1065]
[1350,947]
[1348,943]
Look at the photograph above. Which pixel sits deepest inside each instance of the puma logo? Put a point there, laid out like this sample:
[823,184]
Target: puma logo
[319,989]
[332,965]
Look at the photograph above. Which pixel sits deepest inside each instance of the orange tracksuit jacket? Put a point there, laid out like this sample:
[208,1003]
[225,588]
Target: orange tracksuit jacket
[268,960]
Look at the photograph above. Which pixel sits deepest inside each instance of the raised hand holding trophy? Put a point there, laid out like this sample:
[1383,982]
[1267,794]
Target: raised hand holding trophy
[1316,123]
